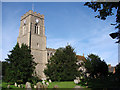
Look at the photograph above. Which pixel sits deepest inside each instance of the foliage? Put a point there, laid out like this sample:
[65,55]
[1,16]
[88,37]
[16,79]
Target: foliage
[0,68]
[4,67]
[117,71]
[62,66]
[21,64]
[95,67]
[98,84]
[106,9]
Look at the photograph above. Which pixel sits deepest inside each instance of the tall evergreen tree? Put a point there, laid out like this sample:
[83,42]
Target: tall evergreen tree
[62,66]
[117,71]
[21,64]
[95,67]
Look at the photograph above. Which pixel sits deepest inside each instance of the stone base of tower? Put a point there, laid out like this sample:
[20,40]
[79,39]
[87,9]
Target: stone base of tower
[40,57]
[40,70]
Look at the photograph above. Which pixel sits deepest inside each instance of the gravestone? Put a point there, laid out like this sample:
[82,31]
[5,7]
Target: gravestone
[50,81]
[43,82]
[39,85]
[35,86]
[56,86]
[78,88]
[15,84]
[8,86]
[47,83]
[76,81]
[19,86]
[28,85]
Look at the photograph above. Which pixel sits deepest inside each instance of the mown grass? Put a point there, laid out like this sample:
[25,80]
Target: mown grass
[65,84]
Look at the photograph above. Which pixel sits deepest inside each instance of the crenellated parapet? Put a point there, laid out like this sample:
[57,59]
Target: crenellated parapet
[30,12]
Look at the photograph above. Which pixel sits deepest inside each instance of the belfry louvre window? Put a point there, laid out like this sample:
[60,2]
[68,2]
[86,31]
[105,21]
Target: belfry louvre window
[36,29]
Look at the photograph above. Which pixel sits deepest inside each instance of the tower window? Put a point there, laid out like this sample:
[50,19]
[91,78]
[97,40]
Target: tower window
[48,54]
[36,29]
[38,44]
[24,30]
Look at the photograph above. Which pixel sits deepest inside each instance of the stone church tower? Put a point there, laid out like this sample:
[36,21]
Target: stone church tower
[32,33]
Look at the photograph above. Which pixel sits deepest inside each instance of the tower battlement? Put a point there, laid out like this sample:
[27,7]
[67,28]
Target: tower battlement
[30,12]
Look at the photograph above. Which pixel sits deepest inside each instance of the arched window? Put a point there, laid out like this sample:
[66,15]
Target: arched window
[38,44]
[48,54]
[24,29]
[36,29]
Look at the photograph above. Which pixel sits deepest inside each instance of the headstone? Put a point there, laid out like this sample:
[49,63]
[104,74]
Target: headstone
[15,84]
[56,86]
[47,83]
[43,82]
[76,81]
[35,86]
[50,81]
[8,86]
[77,87]
[19,86]
[39,85]
[28,85]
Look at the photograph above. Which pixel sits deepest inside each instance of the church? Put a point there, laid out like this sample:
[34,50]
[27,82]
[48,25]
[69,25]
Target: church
[32,33]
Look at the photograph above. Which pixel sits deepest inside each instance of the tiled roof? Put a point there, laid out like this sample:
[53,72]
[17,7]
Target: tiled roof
[81,58]
[111,68]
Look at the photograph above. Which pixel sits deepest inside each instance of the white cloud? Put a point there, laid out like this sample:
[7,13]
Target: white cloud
[97,42]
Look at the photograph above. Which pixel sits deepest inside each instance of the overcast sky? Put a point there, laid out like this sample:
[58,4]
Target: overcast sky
[71,23]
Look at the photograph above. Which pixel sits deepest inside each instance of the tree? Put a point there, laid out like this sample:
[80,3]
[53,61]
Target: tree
[62,66]
[21,64]
[117,71]
[4,68]
[95,67]
[106,9]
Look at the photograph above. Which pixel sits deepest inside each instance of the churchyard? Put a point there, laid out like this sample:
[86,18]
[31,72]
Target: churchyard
[30,60]
[59,73]
[65,84]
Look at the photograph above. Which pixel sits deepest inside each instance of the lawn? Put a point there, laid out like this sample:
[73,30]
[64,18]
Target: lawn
[70,84]
[65,84]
